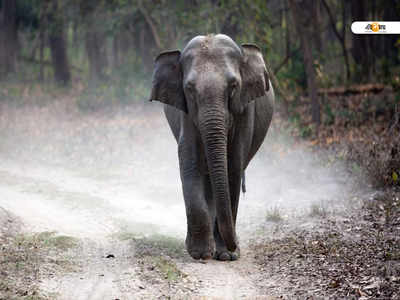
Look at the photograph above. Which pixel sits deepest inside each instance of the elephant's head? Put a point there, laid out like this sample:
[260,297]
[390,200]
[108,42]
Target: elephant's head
[212,81]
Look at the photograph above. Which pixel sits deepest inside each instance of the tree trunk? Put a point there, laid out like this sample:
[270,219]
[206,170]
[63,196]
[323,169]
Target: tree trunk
[316,27]
[41,53]
[390,51]
[59,57]
[360,47]
[58,45]
[287,31]
[152,24]
[303,30]
[42,38]
[8,38]
[340,37]
[94,42]
[147,49]
[115,51]
[343,42]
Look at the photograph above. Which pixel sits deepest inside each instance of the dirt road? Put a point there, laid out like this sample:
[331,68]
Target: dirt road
[55,200]
[112,182]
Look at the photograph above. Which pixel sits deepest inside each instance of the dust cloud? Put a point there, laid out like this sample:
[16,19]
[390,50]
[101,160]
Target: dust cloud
[106,173]
[291,185]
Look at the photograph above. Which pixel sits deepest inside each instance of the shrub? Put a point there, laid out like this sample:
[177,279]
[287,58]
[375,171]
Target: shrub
[379,158]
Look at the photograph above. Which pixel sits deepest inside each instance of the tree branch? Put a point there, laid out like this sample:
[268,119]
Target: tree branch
[151,24]
[275,83]
[332,20]
[340,37]
[298,15]
[285,60]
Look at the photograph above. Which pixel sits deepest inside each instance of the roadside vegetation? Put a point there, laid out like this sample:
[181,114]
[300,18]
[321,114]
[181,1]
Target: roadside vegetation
[356,255]
[352,253]
[26,258]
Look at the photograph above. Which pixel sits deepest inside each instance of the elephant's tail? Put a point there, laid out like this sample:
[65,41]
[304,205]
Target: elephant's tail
[243,182]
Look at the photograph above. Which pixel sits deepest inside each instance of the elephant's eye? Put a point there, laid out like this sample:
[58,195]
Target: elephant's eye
[233,86]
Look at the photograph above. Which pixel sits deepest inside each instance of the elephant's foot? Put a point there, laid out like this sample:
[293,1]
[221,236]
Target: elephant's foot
[223,254]
[200,246]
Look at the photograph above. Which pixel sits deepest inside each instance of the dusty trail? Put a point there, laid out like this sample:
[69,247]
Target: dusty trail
[97,277]
[233,280]
[53,200]
[108,179]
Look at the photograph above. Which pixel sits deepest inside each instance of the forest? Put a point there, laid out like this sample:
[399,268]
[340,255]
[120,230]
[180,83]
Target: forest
[84,156]
[308,45]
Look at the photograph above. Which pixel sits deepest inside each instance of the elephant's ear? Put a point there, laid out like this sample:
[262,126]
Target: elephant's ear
[255,82]
[167,80]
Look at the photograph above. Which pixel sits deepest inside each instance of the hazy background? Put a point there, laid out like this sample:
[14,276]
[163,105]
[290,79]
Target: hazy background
[81,149]
[107,173]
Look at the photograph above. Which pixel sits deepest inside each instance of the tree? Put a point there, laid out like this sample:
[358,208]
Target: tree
[94,39]
[301,23]
[360,45]
[57,43]
[390,51]
[340,36]
[8,38]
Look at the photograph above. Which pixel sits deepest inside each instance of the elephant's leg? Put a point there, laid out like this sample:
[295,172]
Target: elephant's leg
[221,252]
[235,181]
[199,239]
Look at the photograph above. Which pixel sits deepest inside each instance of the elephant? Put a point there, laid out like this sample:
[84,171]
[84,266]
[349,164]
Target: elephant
[219,106]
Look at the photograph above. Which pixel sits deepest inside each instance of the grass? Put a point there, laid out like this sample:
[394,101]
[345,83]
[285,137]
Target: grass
[162,245]
[159,268]
[274,215]
[168,269]
[50,239]
[379,160]
[355,256]
[22,258]
[318,211]
[155,244]
[156,253]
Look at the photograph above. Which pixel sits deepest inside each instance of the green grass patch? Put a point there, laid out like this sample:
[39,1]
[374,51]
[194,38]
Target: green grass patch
[160,245]
[51,239]
[23,256]
[168,269]
[274,215]
[155,244]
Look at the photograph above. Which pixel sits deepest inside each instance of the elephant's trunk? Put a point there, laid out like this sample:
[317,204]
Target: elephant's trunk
[213,130]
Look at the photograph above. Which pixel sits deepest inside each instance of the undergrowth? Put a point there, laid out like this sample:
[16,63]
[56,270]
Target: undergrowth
[23,257]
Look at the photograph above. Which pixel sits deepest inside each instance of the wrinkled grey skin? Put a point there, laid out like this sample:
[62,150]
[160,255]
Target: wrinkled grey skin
[220,105]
